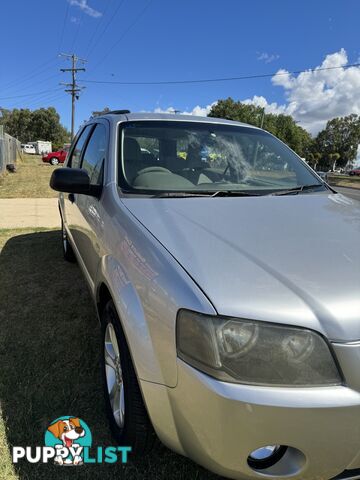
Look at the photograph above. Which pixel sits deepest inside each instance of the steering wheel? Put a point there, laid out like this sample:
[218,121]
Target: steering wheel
[234,174]
[152,169]
[225,171]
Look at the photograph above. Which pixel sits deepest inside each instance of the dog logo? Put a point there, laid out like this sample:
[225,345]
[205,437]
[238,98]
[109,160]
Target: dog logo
[69,436]
[68,441]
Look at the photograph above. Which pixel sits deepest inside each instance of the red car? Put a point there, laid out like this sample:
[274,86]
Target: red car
[355,171]
[54,158]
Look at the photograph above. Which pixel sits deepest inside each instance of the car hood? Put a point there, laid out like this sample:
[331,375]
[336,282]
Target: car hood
[288,259]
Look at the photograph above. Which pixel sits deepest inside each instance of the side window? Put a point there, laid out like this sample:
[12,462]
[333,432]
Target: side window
[94,155]
[74,160]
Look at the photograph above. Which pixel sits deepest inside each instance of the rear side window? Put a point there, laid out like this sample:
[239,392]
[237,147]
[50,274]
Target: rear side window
[74,160]
[94,155]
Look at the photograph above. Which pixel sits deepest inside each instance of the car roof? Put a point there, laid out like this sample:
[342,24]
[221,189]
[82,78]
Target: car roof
[115,117]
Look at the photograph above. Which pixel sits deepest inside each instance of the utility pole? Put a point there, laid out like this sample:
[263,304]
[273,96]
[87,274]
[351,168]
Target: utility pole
[74,89]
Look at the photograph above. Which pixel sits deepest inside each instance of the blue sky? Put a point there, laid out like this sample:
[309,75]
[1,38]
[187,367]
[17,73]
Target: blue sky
[182,39]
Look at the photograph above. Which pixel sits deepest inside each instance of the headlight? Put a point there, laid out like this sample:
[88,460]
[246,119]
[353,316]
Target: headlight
[257,353]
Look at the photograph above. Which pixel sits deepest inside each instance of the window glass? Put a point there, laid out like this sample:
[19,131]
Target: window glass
[185,156]
[94,154]
[149,148]
[74,161]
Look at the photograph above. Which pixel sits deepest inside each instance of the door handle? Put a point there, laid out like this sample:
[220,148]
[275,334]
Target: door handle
[71,197]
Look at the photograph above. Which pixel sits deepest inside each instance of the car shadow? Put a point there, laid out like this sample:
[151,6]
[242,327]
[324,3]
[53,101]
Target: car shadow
[50,363]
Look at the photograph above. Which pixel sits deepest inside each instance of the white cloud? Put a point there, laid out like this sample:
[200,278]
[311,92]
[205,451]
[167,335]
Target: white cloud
[315,96]
[82,4]
[312,97]
[204,111]
[261,101]
[198,110]
[267,57]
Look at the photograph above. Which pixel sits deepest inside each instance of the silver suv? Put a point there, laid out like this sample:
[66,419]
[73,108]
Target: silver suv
[226,276]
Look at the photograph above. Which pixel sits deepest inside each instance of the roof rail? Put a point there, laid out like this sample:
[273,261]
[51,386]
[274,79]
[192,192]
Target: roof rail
[117,112]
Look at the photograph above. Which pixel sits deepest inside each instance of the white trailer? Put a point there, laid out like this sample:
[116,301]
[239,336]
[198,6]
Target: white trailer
[42,147]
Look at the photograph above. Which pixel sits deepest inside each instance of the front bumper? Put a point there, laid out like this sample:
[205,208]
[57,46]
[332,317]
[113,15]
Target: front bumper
[218,424]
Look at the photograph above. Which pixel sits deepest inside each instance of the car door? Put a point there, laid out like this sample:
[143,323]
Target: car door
[73,203]
[93,161]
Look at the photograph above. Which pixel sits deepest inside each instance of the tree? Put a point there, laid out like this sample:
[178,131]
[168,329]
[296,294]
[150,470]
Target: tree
[339,140]
[285,128]
[41,124]
[17,123]
[313,159]
[282,126]
[334,157]
[47,126]
[240,112]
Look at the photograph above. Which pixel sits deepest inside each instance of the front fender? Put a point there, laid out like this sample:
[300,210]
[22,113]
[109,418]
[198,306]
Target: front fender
[147,306]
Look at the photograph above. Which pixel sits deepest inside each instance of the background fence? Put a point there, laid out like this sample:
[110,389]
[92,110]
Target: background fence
[10,150]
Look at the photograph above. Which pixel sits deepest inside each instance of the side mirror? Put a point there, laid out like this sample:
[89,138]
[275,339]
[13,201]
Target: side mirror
[73,180]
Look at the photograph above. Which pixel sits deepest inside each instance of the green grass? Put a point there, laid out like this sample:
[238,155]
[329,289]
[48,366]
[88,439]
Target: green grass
[50,363]
[30,180]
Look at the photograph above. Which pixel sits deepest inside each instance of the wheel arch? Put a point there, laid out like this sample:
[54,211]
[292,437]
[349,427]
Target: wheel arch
[147,293]
[131,318]
[102,298]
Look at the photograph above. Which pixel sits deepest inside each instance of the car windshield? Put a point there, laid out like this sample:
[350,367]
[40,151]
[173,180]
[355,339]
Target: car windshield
[172,156]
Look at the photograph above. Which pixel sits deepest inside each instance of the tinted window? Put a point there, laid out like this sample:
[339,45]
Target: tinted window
[94,154]
[74,160]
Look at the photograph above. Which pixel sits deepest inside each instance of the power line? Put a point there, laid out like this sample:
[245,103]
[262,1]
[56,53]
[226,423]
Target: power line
[33,103]
[141,13]
[31,75]
[106,27]
[39,97]
[90,48]
[81,18]
[21,101]
[63,26]
[47,100]
[37,83]
[224,79]
[24,103]
[73,89]
[30,94]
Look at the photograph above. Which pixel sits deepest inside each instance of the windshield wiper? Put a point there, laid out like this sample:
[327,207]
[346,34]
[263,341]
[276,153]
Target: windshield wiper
[296,190]
[181,195]
[207,193]
[235,193]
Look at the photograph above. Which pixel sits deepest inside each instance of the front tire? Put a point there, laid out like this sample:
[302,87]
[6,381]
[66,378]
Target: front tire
[128,418]
[67,249]
[54,161]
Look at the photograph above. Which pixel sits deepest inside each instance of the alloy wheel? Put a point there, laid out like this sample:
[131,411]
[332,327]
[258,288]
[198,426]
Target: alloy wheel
[114,376]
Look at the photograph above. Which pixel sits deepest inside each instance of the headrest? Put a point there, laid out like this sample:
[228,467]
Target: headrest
[132,149]
[132,158]
[193,158]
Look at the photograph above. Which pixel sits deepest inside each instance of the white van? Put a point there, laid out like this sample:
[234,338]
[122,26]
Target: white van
[28,148]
